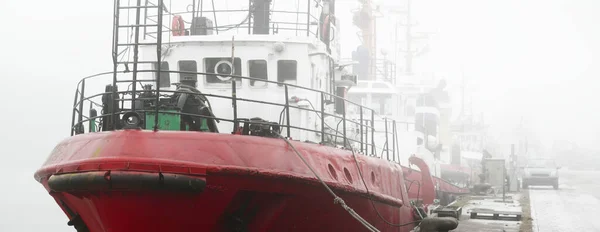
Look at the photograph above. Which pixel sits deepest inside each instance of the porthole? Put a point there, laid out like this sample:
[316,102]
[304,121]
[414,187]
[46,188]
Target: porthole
[373,179]
[332,172]
[348,175]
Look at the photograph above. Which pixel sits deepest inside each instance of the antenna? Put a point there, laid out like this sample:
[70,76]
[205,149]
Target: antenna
[410,39]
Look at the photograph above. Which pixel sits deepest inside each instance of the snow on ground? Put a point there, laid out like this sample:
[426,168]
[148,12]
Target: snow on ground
[489,225]
[573,207]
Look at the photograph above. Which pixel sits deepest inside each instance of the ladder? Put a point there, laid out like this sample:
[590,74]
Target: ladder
[132,43]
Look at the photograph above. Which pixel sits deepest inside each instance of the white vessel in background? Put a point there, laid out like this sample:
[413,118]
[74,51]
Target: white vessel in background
[420,122]
[419,104]
[408,98]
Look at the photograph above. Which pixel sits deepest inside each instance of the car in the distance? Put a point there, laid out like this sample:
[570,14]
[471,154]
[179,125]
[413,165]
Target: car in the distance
[540,172]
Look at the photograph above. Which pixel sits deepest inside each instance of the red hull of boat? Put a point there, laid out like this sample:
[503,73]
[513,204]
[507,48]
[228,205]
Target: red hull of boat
[230,183]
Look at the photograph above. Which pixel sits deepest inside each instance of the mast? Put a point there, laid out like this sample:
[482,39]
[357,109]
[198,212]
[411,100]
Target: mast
[409,53]
[369,37]
[366,54]
[409,50]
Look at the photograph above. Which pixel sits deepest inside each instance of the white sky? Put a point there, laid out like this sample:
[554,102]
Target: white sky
[532,58]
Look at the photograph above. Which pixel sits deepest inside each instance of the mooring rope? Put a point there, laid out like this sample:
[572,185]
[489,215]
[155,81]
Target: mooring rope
[336,199]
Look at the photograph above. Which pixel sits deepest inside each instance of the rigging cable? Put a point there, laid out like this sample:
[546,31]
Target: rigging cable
[337,199]
[337,126]
[282,113]
[369,194]
[327,125]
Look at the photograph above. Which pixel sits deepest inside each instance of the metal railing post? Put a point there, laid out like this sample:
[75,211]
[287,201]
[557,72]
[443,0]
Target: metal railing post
[113,113]
[287,111]
[158,60]
[387,142]
[322,118]
[398,146]
[344,122]
[394,139]
[80,117]
[74,110]
[361,128]
[249,18]
[234,104]
[136,50]
[91,119]
[373,150]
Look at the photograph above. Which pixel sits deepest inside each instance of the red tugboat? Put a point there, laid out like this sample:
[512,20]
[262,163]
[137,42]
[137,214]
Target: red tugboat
[252,136]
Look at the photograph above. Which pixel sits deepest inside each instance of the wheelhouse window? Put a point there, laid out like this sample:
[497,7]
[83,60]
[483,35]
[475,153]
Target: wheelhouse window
[164,77]
[287,70]
[222,67]
[188,66]
[258,69]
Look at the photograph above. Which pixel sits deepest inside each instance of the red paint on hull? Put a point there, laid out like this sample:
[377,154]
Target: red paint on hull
[259,182]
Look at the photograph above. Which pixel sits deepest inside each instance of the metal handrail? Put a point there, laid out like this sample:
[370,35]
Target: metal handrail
[305,20]
[361,125]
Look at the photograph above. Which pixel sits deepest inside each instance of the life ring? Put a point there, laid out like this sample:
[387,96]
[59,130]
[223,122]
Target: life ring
[178,27]
[224,76]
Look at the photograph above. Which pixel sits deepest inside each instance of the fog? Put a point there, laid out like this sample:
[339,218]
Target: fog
[534,61]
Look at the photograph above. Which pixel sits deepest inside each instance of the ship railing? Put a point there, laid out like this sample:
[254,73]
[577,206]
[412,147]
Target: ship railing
[385,70]
[362,125]
[302,19]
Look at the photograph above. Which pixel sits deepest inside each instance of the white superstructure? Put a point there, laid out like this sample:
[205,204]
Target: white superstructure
[295,50]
